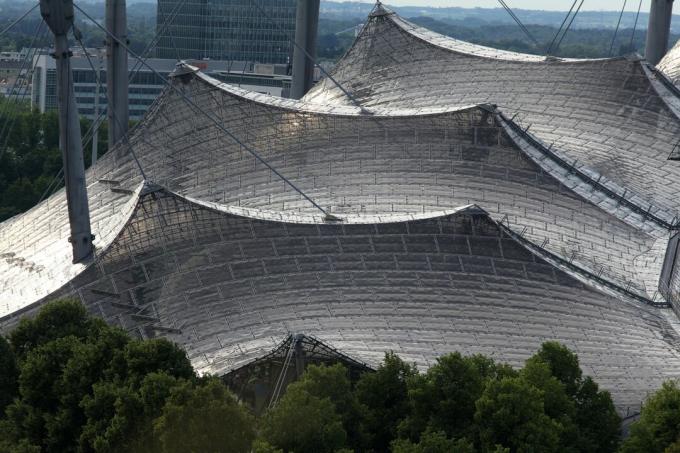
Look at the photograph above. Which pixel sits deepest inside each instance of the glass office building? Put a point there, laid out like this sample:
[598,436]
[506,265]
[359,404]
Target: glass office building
[258,31]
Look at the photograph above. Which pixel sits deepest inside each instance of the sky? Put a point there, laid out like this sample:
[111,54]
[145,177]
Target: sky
[558,5]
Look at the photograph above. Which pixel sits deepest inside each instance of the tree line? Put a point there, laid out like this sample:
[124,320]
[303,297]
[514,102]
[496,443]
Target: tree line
[30,158]
[69,382]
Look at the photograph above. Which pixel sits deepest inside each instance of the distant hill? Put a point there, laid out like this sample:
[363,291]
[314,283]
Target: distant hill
[491,16]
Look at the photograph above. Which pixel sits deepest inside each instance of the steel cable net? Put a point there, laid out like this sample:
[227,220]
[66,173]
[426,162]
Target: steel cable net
[608,115]
[459,231]
[228,287]
[670,64]
[400,165]
[390,165]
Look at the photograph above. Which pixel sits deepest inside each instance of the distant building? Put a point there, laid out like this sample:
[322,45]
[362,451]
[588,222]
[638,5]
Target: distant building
[16,73]
[145,86]
[227,30]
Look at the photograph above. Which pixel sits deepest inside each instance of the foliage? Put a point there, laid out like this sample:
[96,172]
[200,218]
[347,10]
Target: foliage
[433,442]
[658,429]
[511,413]
[318,413]
[443,399]
[383,396]
[84,386]
[461,404]
[304,423]
[29,155]
[9,374]
[72,383]
[204,419]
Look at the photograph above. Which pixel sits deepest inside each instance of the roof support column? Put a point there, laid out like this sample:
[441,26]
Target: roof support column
[59,17]
[658,32]
[116,71]
[306,28]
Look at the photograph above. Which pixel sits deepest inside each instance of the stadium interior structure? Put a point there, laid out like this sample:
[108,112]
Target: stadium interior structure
[475,200]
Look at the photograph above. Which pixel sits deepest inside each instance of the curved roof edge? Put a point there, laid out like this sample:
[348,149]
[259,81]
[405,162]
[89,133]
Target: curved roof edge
[670,64]
[147,188]
[585,276]
[607,195]
[304,107]
[76,269]
[466,48]
[664,88]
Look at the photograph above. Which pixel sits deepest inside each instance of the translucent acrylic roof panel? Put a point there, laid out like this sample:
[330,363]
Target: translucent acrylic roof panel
[612,116]
[670,65]
[402,162]
[230,287]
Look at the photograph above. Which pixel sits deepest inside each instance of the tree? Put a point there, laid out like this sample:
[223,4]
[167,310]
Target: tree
[563,364]
[592,404]
[659,425]
[444,398]
[204,419]
[55,320]
[573,400]
[86,386]
[9,374]
[433,442]
[303,423]
[383,396]
[510,414]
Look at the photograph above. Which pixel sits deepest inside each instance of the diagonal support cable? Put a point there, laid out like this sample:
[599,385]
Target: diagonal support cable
[58,179]
[566,30]
[10,26]
[76,35]
[8,125]
[559,30]
[637,17]
[519,22]
[301,48]
[212,119]
[618,24]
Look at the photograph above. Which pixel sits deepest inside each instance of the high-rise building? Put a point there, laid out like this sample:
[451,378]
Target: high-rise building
[258,31]
[145,86]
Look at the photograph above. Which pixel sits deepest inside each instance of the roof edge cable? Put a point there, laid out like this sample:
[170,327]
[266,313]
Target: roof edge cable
[216,122]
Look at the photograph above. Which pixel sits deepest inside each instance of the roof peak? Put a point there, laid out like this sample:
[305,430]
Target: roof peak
[379,10]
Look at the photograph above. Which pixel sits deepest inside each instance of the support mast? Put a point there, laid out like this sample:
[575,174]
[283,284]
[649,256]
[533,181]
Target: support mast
[658,31]
[59,18]
[116,71]
[306,28]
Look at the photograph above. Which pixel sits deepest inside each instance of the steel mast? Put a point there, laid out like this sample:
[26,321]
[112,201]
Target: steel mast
[116,71]
[658,32]
[304,53]
[58,14]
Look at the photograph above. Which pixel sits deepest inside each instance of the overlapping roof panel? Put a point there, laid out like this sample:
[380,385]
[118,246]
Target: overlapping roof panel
[670,64]
[353,164]
[609,117]
[229,287]
[483,201]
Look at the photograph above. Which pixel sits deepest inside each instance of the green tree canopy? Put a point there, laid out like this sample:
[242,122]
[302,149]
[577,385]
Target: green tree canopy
[511,413]
[384,400]
[303,423]
[9,375]
[86,386]
[204,419]
[658,428]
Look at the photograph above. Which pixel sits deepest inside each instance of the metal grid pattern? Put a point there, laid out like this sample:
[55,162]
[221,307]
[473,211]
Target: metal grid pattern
[670,64]
[229,288]
[604,116]
[397,164]
[460,227]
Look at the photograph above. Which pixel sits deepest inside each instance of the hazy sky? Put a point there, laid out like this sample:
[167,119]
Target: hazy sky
[560,5]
